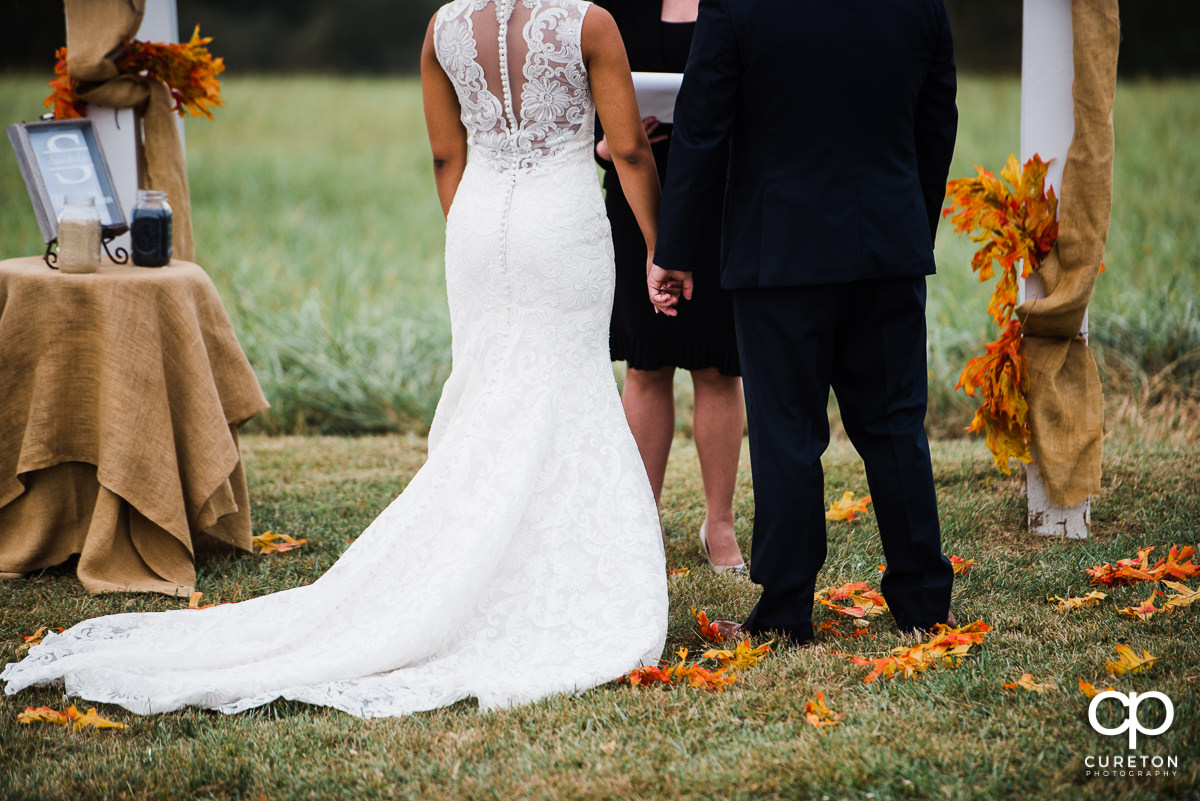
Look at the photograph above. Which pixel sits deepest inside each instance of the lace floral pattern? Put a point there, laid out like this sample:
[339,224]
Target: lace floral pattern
[551,112]
[525,557]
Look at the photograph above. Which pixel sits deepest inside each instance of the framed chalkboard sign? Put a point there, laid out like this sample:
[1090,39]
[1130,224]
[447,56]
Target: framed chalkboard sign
[63,157]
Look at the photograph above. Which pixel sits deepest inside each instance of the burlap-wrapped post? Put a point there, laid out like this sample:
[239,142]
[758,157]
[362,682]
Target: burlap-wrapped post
[96,29]
[1066,407]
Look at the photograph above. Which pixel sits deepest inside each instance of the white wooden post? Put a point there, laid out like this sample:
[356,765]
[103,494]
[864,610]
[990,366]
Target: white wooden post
[1047,124]
[117,128]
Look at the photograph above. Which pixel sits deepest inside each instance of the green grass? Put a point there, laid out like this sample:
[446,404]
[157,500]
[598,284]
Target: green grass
[315,214]
[948,734]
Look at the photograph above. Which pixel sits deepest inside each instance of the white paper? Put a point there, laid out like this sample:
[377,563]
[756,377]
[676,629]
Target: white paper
[656,93]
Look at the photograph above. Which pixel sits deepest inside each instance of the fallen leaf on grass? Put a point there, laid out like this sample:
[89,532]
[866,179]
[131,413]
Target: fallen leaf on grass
[1143,611]
[960,565]
[679,571]
[38,636]
[817,714]
[863,600]
[694,675]
[1183,597]
[860,629]
[1026,682]
[1067,604]
[740,658]
[43,714]
[1090,691]
[1177,564]
[708,629]
[848,508]
[77,720]
[270,542]
[946,646]
[1129,661]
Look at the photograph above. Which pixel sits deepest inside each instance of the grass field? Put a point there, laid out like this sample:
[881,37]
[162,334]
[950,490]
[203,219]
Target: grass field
[315,214]
[947,734]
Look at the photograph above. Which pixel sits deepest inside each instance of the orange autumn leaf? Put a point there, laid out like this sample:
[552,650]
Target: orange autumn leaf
[681,673]
[946,647]
[679,571]
[43,714]
[1177,565]
[960,565]
[1143,611]
[817,714]
[862,600]
[1129,662]
[1068,604]
[847,508]
[1026,682]
[270,542]
[187,68]
[72,716]
[707,628]
[1090,691]
[37,637]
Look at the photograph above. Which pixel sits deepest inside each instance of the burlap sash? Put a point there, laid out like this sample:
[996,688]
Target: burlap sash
[95,30]
[1066,407]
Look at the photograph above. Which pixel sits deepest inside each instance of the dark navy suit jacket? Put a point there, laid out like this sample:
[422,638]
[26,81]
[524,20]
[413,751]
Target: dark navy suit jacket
[841,121]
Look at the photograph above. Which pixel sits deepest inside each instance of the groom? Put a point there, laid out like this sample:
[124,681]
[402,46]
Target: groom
[841,122]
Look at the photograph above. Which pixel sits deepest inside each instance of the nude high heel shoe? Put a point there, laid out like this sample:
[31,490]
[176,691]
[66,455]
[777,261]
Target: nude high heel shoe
[739,568]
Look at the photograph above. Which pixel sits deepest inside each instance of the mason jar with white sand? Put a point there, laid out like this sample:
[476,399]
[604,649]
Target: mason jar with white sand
[79,235]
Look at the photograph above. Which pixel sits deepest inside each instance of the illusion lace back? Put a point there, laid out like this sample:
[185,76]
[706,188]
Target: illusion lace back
[525,557]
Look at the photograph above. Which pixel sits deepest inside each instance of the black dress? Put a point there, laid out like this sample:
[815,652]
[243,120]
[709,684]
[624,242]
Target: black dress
[702,334]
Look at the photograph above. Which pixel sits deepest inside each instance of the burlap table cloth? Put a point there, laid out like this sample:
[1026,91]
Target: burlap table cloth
[1066,406]
[122,393]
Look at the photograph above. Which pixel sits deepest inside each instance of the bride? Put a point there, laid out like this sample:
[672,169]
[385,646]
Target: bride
[525,558]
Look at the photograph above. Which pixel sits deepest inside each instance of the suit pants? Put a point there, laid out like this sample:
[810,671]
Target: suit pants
[866,341]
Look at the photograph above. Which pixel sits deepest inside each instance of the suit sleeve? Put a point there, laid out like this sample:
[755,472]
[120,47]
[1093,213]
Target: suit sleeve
[937,122]
[704,113]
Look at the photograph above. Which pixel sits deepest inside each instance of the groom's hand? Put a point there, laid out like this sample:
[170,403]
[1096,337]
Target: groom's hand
[666,287]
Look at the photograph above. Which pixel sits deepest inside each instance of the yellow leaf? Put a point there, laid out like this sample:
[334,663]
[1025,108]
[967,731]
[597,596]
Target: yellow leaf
[1183,597]
[270,542]
[1067,604]
[90,719]
[848,508]
[1026,682]
[1129,662]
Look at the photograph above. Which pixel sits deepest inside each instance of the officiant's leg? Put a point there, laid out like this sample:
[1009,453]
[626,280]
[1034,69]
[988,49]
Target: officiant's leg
[881,383]
[784,343]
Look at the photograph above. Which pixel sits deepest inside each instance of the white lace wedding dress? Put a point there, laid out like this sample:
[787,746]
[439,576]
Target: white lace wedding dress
[525,558]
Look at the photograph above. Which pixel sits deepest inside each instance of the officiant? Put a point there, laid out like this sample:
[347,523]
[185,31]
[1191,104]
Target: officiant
[658,36]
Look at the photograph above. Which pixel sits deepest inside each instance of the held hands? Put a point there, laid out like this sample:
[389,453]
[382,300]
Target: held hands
[650,124]
[666,287]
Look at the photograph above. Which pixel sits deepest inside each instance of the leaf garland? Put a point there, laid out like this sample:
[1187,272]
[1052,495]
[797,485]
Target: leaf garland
[1015,220]
[187,68]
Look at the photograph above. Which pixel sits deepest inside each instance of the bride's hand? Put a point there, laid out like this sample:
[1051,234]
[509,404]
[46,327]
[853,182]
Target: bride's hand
[666,287]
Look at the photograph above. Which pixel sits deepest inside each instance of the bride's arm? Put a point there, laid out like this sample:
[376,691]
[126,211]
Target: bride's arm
[612,91]
[447,136]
